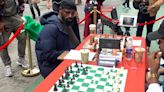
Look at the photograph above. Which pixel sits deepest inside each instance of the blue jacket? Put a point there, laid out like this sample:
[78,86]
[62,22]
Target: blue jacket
[52,41]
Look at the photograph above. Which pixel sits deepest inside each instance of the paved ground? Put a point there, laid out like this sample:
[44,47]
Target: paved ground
[18,83]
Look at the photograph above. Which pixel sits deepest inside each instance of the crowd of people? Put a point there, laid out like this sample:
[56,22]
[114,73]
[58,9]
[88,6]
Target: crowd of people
[61,33]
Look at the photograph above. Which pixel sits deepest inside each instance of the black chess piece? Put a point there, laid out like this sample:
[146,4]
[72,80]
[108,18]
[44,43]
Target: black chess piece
[76,65]
[67,68]
[84,71]
[73,77]
[86,68]
[60,83]
[81,64]
[71,71]
[66,76]
[71,67]
[55,88]
[71,82]
[76,75]
[62,77]
[64,89]
[62,80]
[68,85]
[78,70]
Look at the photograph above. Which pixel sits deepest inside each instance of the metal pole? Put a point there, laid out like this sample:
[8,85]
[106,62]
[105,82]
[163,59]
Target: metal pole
[29,52]
[31,71]
[95,15]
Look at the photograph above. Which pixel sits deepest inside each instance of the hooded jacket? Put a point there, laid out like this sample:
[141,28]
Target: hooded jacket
[52,41]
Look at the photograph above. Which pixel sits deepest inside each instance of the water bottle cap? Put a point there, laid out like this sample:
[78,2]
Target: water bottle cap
[99,20]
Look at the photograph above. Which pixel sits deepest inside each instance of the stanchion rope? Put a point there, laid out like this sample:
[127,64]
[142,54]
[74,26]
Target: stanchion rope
[12,38]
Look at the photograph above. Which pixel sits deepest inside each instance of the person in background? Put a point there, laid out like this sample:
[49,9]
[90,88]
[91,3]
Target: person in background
[12,22]
[31,4]
[154,60]
[21,7]
[126,3]
[56,37]
[153,8]
[144,16]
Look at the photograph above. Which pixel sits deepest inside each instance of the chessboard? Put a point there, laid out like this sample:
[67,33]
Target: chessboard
[91,78]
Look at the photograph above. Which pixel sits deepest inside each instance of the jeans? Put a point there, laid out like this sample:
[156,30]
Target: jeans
[141,19]
[21,45]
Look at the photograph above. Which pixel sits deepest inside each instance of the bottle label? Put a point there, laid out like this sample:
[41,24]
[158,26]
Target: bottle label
[129,53]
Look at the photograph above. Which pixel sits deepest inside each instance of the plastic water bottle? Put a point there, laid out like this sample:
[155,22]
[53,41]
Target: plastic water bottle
[99,27]
[129,48]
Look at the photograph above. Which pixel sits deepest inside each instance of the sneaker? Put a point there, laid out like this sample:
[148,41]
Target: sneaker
[22,62]
[8,72]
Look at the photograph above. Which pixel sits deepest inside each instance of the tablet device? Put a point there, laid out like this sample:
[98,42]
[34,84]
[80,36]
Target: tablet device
[128,21]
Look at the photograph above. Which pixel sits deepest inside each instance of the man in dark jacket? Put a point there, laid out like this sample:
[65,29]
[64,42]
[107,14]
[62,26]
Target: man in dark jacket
[56,37]
[55,7]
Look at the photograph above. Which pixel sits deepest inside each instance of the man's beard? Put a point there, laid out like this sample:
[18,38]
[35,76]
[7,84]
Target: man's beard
[68,22]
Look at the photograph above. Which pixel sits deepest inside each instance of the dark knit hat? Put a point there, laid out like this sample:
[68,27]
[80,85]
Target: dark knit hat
[159,34]
[68,4]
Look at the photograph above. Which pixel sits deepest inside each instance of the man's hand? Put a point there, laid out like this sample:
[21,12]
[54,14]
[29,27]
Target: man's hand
[154,61]
[151,10]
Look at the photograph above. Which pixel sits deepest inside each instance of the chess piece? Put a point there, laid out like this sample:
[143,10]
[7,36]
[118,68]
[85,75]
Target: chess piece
[70,67]
[86,68]
[71,70]
[78,70]
[64,89]
[66,76]
[60,83]
[62,80]
[81,64]
[84,71]
[55,88]
[68,85]
[76,65]
[73,77]
[67,68]
[62,77]
[71,82]
[76,75]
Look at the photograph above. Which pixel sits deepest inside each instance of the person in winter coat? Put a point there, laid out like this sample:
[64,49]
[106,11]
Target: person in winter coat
[56,37]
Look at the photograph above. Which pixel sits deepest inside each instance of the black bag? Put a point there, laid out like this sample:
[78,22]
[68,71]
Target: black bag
[136,3]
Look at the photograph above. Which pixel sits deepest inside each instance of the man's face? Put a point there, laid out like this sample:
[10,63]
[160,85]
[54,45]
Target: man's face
[161,46]
[67,15]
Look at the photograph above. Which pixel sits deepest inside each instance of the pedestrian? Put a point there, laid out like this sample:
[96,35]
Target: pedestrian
[35,4]
[12,22]
[126,4]
[144,16]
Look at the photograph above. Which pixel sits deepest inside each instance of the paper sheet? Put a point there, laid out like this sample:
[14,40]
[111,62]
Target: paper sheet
[75,55]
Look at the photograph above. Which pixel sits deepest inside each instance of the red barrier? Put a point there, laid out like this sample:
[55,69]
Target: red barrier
[14,36]
[86,17]
[140,24]
[110,19]
[150,22]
